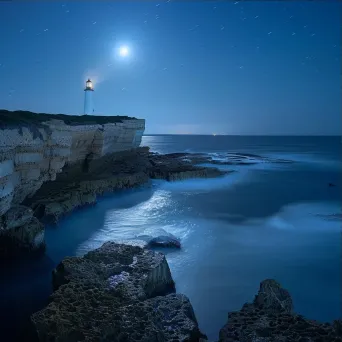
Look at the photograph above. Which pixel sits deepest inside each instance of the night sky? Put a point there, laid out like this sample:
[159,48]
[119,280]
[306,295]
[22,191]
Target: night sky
[204,67]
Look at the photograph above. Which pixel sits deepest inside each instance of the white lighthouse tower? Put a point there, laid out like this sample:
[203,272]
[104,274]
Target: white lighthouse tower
[88,98]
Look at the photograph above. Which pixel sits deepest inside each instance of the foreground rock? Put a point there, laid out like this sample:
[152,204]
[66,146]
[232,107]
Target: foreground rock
[270,318]
[116,293]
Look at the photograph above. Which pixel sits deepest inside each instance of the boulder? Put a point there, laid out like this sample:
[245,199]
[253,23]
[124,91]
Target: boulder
[270,318]
[116,293]
[165,241]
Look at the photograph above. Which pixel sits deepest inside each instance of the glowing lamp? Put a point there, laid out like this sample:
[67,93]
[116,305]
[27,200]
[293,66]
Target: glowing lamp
[89,85]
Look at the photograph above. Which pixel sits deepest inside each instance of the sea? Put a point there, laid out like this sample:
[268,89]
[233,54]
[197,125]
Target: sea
[268,219]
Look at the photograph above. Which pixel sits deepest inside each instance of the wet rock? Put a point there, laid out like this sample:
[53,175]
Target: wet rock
[270,318]
[116,293]
[175,166]
[165,241]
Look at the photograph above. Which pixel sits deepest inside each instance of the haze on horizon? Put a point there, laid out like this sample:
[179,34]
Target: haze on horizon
[255,68]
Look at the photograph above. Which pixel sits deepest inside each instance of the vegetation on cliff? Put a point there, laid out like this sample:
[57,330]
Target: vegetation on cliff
[9,119]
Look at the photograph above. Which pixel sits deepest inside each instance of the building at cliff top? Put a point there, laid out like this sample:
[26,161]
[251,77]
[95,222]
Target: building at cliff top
[88,98]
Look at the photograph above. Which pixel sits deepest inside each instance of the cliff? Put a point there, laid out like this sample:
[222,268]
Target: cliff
[34,148]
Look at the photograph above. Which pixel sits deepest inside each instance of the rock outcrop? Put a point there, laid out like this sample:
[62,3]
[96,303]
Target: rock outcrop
[116,293]
[75,187]
[180,166]
[20,231]
[270,318]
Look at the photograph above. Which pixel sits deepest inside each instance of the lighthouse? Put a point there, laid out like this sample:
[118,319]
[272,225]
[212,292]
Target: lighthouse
[88,98]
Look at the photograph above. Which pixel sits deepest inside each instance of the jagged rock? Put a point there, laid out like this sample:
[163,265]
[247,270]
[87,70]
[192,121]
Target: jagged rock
[273,298]
[270,319]
[175,166]
[165,241]
[116,293]
[17,216]
[74,188]
[25,239]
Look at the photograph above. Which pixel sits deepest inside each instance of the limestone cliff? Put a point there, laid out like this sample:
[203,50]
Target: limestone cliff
[35,147]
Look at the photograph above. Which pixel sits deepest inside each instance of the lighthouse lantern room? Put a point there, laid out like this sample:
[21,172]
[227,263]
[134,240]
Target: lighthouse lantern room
[88,98]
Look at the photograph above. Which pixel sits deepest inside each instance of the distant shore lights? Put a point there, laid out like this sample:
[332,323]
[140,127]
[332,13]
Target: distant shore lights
[88,98]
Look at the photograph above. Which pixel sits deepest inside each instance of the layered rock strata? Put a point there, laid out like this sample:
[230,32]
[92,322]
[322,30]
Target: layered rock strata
[35,152]
[116,293]
[270,318]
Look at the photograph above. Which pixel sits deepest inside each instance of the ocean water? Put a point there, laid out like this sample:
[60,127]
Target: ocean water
[266,220]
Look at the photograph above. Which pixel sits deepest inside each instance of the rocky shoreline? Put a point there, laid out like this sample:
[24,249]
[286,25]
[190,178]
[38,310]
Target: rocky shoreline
[79,184]
[125,292]
[121,292]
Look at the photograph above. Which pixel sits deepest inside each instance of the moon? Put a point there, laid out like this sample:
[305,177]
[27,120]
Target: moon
[124,51]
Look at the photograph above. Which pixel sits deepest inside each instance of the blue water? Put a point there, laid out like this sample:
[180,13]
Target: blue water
[265,220]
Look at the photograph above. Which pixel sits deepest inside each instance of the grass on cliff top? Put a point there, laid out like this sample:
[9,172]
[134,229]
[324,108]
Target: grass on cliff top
[24,118]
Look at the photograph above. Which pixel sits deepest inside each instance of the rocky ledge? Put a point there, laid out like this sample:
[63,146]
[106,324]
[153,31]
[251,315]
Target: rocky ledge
[116,293]
[270,318]
[121,292]
[80,184]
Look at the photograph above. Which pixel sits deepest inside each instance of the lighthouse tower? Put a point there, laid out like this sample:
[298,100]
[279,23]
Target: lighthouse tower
[88,98]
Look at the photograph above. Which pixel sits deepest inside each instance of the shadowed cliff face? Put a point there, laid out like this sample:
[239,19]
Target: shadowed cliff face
[33,151]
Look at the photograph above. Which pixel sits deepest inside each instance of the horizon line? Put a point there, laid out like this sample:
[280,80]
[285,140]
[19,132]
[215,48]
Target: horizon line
[249,135]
